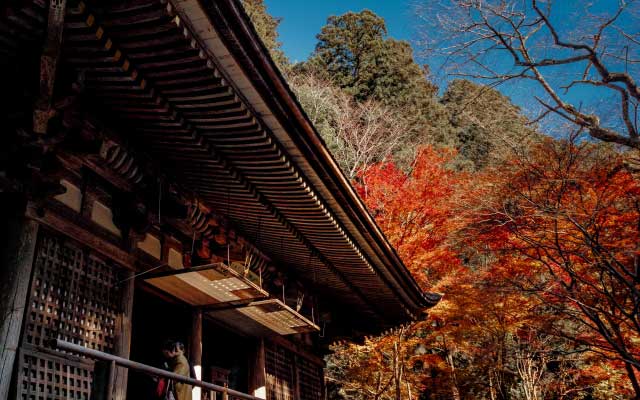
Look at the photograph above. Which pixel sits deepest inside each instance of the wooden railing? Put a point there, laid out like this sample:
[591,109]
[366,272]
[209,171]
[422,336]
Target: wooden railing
[126,363]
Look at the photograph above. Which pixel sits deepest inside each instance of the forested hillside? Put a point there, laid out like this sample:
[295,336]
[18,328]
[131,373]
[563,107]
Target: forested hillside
[532,240]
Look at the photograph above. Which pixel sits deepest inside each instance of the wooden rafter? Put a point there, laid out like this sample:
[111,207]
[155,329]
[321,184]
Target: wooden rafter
[148,86]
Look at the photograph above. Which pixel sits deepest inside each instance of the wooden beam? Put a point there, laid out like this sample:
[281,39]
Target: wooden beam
[17,248]
[122,342]
[83,233]
[44,110]
[296,375]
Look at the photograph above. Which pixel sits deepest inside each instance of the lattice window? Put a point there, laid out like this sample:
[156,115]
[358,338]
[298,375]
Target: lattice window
[44,377]
[310,377]
[280,373]
[74,297]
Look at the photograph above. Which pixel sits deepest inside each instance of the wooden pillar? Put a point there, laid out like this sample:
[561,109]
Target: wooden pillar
[195,348]
[258,372]
[296,375]
[122,345]
[17,249]
[44,110]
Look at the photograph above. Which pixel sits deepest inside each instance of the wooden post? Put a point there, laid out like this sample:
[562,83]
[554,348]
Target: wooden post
[195,348]
[258,372]
[104,374]
[296,375]
[43,110]
[122,345]
[17,249]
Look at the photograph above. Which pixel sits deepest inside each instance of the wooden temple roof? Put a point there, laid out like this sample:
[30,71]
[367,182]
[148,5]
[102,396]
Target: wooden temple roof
[190,84]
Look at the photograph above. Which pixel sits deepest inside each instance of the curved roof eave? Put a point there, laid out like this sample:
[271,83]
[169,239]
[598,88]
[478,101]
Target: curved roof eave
[286,118]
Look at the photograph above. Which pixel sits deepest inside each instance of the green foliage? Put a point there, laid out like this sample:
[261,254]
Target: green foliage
[267,28]
[487,125]
[355,58]
[355,54]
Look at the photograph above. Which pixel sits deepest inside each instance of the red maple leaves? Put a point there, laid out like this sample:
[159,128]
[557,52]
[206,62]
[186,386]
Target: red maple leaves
[537,259]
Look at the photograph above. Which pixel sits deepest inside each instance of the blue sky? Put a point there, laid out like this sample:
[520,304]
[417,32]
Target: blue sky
[303,19]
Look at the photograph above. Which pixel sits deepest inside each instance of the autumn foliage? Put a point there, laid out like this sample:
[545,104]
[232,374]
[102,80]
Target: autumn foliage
[564,225]
[536,259]
[416,211]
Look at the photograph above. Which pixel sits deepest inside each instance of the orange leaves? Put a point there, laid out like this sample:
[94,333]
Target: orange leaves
[415,211]
[537,262]
[564,222]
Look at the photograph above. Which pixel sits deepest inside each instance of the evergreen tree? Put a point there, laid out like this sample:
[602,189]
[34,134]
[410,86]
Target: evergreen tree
[355,54]
[487,125]
[267,28]
[355,57]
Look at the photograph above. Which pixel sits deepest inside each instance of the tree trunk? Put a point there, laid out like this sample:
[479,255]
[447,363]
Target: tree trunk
[634,380]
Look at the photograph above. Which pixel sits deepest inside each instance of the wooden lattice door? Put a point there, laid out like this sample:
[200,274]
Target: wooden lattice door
[280,373]
[74,296]
[291,376]
[310,377]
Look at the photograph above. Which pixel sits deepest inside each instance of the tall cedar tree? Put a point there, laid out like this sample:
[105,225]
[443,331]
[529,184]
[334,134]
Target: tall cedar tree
[354,52]
[267,28]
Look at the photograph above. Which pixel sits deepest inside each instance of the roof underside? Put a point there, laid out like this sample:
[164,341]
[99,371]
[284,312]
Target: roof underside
[197,99]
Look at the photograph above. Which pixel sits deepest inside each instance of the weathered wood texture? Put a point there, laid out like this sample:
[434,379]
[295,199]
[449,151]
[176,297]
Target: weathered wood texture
[80,230]
[214,285]
[49,65]
[265,318]
[17,241]
[280,371]
[122,340]
[74,296]
[173,100]
[289,375]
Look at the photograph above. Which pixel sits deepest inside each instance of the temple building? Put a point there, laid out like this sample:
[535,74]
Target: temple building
[160,181]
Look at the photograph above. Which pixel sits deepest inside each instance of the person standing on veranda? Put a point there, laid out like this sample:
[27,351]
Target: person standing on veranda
[178,364]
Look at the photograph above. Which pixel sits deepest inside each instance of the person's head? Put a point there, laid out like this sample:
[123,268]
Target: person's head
[172,348]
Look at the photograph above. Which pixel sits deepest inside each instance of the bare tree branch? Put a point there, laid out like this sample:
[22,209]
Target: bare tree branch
[479,31]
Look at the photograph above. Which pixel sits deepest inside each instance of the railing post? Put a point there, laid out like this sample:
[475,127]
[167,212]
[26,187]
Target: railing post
[112,380]
[103,380]
[225,393]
